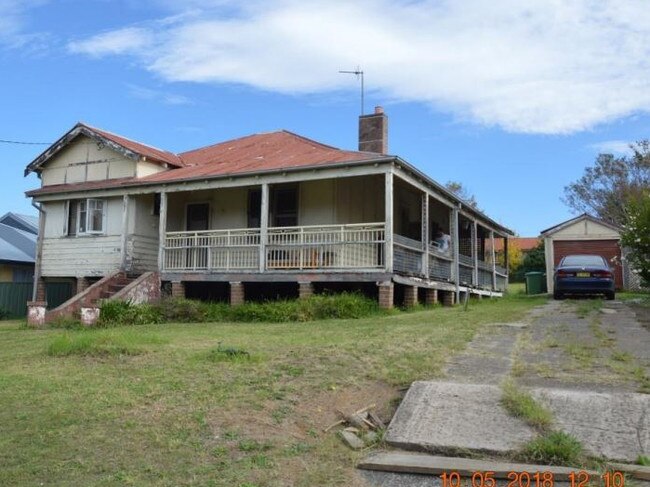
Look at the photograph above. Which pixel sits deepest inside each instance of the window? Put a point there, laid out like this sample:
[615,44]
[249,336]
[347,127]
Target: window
[86,217]
[156,205]
[254,208]
[285,206]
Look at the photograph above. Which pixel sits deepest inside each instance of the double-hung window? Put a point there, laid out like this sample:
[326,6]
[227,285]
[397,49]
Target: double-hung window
[86,216]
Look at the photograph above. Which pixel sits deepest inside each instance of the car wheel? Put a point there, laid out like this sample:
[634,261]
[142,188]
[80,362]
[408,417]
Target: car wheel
[610,296]
[558,295]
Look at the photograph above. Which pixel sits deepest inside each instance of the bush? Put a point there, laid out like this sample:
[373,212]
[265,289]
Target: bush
[320,307]
[4,314]
[126,313]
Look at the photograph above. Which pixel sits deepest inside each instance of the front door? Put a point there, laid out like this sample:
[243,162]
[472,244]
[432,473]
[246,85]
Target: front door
[197,219]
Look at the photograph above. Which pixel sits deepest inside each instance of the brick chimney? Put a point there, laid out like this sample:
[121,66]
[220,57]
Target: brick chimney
[373,132]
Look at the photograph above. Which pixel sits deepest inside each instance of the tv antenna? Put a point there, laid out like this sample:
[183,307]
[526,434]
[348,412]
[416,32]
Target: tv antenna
[359,74]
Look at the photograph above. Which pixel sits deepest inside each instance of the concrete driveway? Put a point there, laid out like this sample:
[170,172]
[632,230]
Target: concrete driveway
[587,360]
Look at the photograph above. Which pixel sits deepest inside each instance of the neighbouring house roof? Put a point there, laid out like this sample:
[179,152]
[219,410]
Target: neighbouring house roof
[567,223]
[525,244]
[127,147]
[16,245]
[28,223]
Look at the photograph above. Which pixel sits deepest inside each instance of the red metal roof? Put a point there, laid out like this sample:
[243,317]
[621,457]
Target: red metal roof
[152,153]
[524,243]
[258,153]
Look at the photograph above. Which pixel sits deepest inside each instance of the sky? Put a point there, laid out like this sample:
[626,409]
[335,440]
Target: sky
[512,99]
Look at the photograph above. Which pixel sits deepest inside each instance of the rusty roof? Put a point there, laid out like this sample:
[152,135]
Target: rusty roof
[148,151]
[258,153]
[524,243]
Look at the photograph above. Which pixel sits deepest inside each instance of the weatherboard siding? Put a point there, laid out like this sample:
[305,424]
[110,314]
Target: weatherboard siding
[83,256]
[142,253]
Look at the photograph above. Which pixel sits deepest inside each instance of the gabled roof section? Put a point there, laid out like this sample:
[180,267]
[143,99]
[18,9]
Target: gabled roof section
[28,223]
[16,245]
[579,218]
[259,153]
[127,147]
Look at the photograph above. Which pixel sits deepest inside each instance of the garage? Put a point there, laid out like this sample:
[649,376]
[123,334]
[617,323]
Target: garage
[586,235]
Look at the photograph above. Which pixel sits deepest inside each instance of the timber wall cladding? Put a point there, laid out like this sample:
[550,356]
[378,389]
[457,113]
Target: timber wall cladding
[609,249]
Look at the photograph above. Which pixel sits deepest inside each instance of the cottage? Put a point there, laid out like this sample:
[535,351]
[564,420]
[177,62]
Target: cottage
[273,210]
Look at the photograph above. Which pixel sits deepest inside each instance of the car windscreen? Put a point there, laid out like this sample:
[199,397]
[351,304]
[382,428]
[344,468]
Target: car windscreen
[583,260]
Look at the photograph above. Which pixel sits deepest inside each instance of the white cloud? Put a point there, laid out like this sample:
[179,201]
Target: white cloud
[539,66]
[129,40]
[616,147]
[168,98]
[13,26]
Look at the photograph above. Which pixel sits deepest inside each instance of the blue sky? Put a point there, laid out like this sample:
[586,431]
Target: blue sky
[513,100]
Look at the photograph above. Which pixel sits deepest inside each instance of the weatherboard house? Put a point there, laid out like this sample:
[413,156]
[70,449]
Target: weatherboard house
[263,215]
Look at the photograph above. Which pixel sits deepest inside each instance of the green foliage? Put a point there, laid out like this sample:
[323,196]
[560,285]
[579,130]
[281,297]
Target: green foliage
[556,448]
[118,312]
[636,236]
[535,260]
[4,314]
[66,323]
[607,188]
[643,460]
[317,307]
[521,404]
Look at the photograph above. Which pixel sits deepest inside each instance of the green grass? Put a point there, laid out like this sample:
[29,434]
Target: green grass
[98,344]
[521,404]
[153,405]
[555,448]
[585,307]
[643,460]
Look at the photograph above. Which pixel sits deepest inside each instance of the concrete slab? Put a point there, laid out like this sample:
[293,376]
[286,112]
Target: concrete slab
[447,417]
[615,426]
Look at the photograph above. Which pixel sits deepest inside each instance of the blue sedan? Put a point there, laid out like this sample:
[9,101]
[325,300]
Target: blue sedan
[583,274]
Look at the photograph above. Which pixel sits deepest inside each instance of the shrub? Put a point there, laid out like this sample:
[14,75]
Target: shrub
[321,307]
[556,448]
[182,310]
[4,314]
[118,312]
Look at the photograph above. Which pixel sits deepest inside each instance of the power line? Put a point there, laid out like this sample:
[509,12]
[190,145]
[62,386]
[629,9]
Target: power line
[3,141]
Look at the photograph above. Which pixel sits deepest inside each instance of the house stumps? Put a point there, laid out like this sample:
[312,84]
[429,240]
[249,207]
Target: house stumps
[36,313]
[40,291]
[237,294]
[410,296]
[178,289]
[448,298]
[305,290]
[82,284]
[430,297]
[386,292]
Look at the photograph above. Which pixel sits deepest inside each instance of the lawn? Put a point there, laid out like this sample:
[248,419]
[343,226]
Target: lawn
[162,405]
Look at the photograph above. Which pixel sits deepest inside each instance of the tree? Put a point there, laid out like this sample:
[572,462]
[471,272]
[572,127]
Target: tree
[636,236]
[462,192]
[606,189]
[535,260]
[515,257]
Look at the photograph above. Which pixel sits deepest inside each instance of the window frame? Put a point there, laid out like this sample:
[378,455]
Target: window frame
[86,207]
